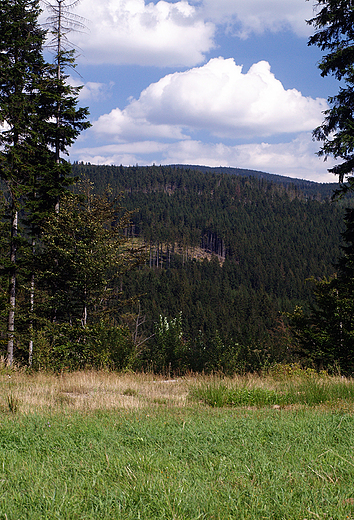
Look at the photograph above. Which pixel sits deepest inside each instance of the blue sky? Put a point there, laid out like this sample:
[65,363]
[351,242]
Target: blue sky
[212,82]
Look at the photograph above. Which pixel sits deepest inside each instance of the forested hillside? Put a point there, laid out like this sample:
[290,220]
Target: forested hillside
[311,189]
[231,253]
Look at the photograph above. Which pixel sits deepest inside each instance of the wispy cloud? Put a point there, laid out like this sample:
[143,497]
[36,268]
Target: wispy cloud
[91,90]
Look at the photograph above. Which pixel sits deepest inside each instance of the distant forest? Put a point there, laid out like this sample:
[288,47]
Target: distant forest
[229,249]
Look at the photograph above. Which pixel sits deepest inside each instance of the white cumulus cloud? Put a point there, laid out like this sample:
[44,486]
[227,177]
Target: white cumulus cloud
[121,125]
[137,32]
[218,98]
[126,153]
[177,33]
[296,158]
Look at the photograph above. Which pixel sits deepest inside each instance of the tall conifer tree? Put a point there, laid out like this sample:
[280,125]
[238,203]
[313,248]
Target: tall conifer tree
[32,133]
[21,67]
[327,335]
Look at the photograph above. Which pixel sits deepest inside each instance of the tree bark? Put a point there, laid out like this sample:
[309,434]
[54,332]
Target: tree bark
[12,291]
[30,346]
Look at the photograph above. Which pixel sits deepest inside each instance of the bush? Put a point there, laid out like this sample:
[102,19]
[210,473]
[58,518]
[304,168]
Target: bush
[64,347]
[168,351]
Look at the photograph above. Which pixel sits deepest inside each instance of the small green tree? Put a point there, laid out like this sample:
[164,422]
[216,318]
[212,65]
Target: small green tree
[84,254]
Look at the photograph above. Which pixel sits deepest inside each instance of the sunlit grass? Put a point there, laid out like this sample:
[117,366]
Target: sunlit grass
[99,445]
[88,391]
[303,388]
[178,463]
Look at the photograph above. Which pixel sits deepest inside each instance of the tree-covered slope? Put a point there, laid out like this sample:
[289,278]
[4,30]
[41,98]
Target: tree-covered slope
[267,239]
[319,191]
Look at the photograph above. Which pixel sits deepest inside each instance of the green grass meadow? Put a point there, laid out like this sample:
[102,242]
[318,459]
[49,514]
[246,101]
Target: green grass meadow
[191,461]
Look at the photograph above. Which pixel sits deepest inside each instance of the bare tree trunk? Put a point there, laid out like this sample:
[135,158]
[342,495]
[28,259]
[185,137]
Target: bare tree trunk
[61,21]
[30,346]
[84,312]
[84,316]
[12,290]
[57,142]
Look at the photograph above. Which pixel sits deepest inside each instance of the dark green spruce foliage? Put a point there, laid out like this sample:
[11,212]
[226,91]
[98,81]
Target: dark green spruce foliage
[269,239]
[326,336]
[334,26]
[21,69]
[39,114]
[61,123]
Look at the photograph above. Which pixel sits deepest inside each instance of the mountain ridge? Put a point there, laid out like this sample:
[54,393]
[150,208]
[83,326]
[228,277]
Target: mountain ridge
[303,184]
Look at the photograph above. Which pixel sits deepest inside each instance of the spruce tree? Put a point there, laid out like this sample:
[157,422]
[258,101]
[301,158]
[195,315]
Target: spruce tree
[84,255]
[21,67]
[334,26]
[326,336]
[33,133]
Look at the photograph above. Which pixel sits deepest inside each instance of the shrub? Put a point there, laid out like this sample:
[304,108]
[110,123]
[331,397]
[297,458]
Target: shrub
[65,347]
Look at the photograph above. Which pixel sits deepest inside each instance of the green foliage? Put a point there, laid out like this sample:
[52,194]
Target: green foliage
[38,110]
[320,333]
[326,335]
[230,252]
[334,33]
[209,353]
[67,347]
[169,351]
[84,254]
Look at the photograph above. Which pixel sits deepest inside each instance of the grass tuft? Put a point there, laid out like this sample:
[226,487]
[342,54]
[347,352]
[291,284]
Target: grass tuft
[131,392]
[218,394]
[13,403]
[307,388]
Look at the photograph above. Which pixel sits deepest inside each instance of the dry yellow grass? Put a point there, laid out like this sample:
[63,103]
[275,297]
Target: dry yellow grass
[89,391]
[99,390]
